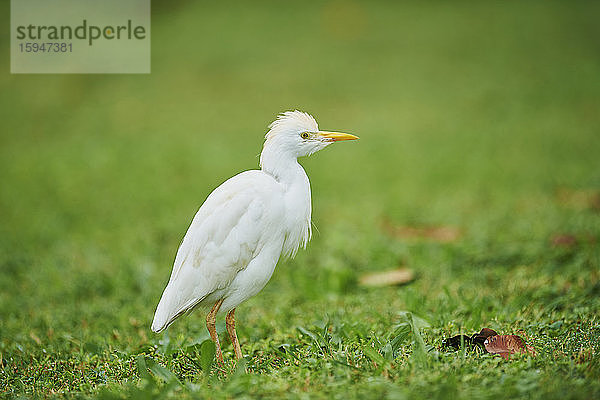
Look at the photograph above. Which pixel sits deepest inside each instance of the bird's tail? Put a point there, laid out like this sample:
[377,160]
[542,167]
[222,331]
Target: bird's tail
[163,317]
[159,323]
[169,309]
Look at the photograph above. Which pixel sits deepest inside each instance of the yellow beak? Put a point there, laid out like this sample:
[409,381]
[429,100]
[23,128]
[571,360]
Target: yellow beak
[337,136]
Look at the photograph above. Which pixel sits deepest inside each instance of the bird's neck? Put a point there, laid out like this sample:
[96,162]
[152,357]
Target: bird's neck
[283,166]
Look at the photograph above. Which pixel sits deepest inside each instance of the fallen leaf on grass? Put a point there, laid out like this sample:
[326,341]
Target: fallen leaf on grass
[489,340]
[579,199]
[564,241]
[442,234]
[505,345]
[387,278]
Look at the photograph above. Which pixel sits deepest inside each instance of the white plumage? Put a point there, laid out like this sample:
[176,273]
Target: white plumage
[237,236]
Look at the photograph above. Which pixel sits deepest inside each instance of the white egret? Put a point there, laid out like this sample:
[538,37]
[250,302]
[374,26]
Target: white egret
[243,228]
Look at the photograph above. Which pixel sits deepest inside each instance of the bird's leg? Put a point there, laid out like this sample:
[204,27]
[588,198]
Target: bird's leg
[230,324]
[211,320]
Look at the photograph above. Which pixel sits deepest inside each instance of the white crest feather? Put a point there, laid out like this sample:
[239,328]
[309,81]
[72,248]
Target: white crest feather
[292,121]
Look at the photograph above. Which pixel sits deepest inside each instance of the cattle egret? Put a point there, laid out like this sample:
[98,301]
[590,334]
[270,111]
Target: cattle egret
[244,227]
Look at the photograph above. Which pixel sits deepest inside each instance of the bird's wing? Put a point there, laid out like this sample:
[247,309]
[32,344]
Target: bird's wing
[227,232]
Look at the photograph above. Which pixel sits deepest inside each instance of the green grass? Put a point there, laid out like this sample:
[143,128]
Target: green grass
[482,117]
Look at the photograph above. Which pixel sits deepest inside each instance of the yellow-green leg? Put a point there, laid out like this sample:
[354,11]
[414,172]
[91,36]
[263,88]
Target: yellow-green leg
[211,320]
[230,323]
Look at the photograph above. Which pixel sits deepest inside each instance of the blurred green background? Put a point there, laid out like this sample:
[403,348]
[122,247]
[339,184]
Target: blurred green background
[481,116]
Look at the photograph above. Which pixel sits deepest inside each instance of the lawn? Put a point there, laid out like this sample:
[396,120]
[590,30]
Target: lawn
[477,120]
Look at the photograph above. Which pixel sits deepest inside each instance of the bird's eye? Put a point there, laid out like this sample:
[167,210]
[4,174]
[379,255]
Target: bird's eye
[304,135]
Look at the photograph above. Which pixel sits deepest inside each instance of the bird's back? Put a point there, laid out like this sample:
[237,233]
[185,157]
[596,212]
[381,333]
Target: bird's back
[237,220]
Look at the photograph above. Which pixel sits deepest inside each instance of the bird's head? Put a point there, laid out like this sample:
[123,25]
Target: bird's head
[297,133]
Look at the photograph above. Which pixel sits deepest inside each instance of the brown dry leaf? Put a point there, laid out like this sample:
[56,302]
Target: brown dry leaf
[562,240]
[579,199]
[442,234]
[505,345]
[387,278]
